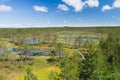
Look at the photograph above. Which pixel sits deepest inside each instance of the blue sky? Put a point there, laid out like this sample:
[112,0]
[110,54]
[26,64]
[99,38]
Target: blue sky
[59,13]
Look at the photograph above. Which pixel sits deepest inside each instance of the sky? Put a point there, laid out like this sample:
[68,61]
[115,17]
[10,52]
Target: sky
[59,13]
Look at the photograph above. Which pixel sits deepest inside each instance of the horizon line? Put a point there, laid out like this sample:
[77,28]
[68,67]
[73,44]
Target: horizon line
[66,26]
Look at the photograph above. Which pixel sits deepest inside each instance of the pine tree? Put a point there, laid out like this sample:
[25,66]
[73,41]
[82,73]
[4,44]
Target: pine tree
[29,75]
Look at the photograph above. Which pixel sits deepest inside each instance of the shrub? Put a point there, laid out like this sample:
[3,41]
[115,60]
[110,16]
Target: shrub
[29,75]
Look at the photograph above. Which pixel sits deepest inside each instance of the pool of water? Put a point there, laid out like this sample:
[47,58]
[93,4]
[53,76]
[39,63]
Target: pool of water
[91,38]
[39,52]
[13,50]
[32,41]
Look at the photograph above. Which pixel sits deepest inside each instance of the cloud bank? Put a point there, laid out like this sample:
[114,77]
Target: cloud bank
[4,8]
[79,5]
[115,5]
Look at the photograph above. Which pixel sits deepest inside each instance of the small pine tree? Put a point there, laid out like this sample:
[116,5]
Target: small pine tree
[69,68]
[29,75]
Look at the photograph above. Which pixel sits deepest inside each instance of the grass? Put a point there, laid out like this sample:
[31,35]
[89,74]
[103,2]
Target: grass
[17,71]
[44,73]
[41,68]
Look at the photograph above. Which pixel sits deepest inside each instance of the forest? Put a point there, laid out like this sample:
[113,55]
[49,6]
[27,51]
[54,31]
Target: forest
[60,53]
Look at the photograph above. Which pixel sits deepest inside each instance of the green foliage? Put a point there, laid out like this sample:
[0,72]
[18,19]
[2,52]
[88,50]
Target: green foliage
[69,69]
[101,62]
[110,49]
[54,76]
[29,75]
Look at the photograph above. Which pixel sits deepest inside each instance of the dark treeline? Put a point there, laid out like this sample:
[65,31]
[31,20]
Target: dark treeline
[6,32]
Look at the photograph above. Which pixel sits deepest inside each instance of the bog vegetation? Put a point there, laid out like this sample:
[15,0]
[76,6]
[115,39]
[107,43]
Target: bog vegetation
[60,53]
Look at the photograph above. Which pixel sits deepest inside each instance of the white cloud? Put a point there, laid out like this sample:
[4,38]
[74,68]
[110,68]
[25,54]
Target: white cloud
[76,4]
[63,7]
[92,3]
[106,7]
[116,4]
[4,8]
[40,8]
